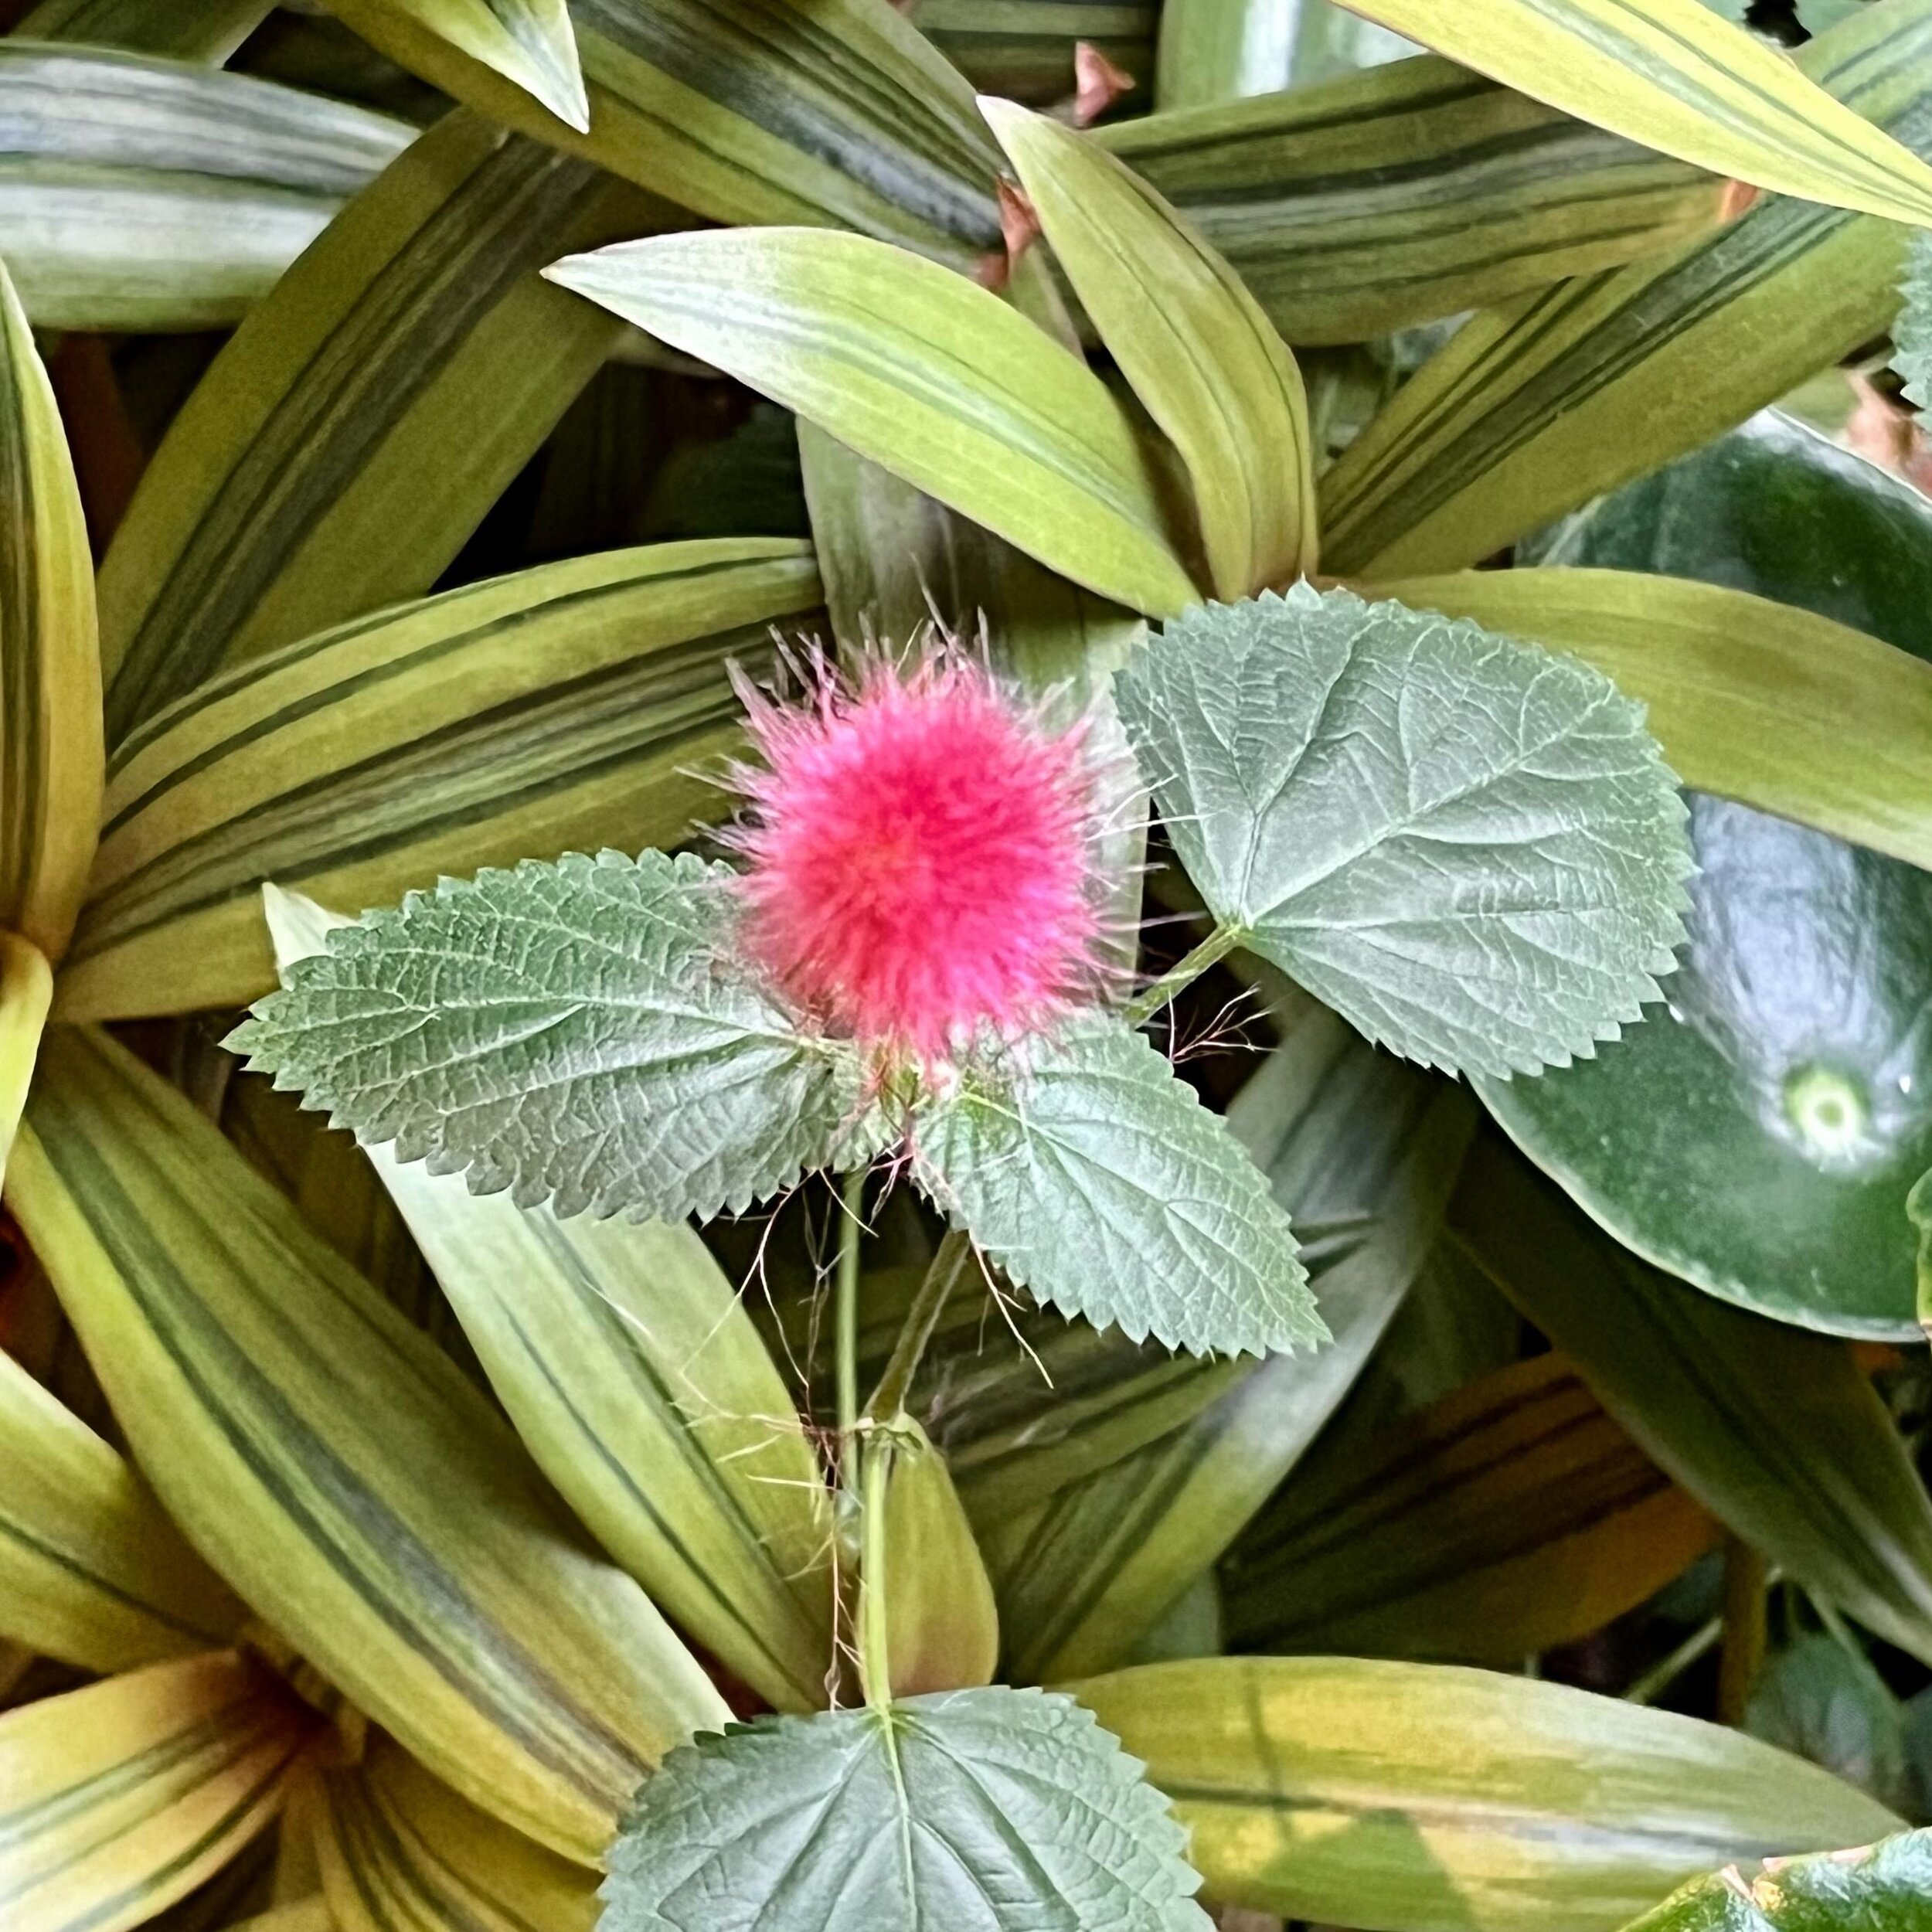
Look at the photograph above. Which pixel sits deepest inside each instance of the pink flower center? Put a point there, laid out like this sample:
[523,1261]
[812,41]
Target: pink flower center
[918,861]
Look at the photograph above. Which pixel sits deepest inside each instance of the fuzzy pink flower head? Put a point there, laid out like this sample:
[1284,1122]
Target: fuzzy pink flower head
[919,864]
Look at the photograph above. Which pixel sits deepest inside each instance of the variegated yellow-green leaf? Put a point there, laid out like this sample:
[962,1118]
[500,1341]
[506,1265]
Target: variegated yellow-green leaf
[1509,1518]
[1674,74]
[935,378]
[364,417]
[138,193]
[118,1799]
[1438,1799]
[639,1383]
[1192,341]
[1538,406]
[204,30]
[399,1852]
[50,746]
[839,113]
[559,709]
[26,990]
[1752,699]
[336,1468]
[528,41]
[1381,199]
[91,1570]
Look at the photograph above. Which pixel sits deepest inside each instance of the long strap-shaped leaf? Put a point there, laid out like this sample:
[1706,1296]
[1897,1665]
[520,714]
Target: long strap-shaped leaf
[1773,1428]
[204,30]
[638,1382]
[1509,1518]
[50,749]
[1192,341]
[116,1799]
[528,41]
[349,437]
[1411,191]
[1752,700]
[137,193]
[1675,75]
[91,1570]
[400,1851]
[1438,1799]
[334,1465]
[556,709]
[838,113]
[1543,405]
[928,375]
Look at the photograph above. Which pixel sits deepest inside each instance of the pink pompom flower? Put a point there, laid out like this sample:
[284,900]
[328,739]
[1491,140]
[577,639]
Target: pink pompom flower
[918,869]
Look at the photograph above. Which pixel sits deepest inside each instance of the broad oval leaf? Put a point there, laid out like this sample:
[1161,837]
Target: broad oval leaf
[1429,1798]
[1469,848]
[530,41]
[578,1033]
[143,194]
[1674,74]
[1095,1177]
[116,1799]
[929,376]
[330,1463]
[1887,1885]
[91,1570]
[50,739]
[555,709]
[980,1810]
[1192,341]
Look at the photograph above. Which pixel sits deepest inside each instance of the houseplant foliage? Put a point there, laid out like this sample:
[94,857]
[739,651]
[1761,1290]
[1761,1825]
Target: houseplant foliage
[807,1016]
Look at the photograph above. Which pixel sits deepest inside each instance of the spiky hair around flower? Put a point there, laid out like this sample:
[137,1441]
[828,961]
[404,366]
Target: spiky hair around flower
[918,855]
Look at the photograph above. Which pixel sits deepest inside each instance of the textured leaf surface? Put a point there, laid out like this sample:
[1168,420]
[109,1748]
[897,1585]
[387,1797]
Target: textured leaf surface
[1436,1799]
[1912,333]
[1885,1887]
[1674,74]
[326,1458]
[1192,341]
[1470,849]
[138,193]
[528,41]
[1095,1177]
[116,1799]
[935,378]
[984,1811]
[573,1033]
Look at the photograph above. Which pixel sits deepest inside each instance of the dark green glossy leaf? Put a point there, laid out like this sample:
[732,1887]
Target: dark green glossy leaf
[1759,1134]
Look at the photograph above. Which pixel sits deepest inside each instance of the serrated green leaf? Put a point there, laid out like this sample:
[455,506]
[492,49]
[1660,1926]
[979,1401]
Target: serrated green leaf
[142,194]
[1191,341]
[981,1811]
[921,371]
[1097,1178]
[1912,333]
[1885,1887]
[573,1033]
[1468,848]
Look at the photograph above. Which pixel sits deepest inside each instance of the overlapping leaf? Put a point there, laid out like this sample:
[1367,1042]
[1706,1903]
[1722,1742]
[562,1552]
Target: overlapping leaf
[996,1810]
[528,41]
[1094,1177]
[1469,848]
[1887,1886]
[204,30]
[1912,333]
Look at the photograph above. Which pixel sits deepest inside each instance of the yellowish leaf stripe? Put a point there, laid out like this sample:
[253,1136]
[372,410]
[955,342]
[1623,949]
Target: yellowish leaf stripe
[326,1458]
[50,746]
[362,418]
[1410,192]
[204,30]
[1024,50]
[840,114]
[400,1852]
[91,1570]
[118,1799]
[1509,1517]
[1192,341]
[1538,406]
[1324,1788]
[1676,76]
[552,710]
